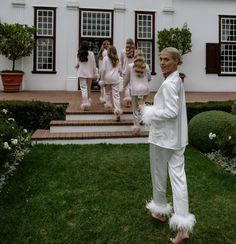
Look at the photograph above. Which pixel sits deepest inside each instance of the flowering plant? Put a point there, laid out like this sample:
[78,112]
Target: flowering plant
[212,136]
[14,143]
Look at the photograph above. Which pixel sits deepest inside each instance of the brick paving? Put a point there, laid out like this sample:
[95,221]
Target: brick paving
[73,98]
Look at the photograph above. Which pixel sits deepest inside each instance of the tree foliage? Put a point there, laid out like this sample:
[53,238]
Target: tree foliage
[16,41]
[175,37]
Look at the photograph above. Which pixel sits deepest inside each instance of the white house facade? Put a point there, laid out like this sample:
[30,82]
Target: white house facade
[62,24]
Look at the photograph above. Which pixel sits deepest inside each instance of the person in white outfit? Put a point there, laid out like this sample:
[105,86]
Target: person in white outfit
[126,58]
[86,72]
[168,137]
[137,77]
[110,74]
[101,54]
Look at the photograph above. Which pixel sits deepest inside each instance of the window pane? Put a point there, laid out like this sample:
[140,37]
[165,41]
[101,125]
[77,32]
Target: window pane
[96,24]
[44,54]
[228,59]
[144,26]
[45,23]
[146,48]
[228,29]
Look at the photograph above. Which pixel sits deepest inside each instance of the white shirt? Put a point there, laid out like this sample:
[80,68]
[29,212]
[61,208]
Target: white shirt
[109,74]
[104,54]
[124,62]
[87,69]
[139,85]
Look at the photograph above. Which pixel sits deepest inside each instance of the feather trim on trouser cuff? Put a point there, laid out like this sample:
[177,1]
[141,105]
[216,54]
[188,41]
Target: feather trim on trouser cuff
[118,112]
[127,99]
[158,209]
[101,83]
[148,114]
[186,223]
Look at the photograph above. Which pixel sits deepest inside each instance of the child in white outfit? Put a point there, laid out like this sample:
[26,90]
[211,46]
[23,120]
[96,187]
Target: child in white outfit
[102,53]
[127,57]
[137,76]
[110,75]
[86,72]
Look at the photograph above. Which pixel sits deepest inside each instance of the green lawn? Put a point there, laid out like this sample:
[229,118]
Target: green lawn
[97,194]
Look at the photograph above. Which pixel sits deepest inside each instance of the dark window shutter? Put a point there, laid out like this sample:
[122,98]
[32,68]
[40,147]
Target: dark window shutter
[212,58]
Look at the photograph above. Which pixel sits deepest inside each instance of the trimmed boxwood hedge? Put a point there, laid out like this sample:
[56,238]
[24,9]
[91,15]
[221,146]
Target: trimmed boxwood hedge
[220,123]
[34,115]
[198,107]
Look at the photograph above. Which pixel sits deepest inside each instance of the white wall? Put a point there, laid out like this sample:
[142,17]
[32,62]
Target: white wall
[202,19]
[201,16]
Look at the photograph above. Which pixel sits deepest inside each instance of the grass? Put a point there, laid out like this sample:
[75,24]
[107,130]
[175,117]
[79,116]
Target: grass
[97,194]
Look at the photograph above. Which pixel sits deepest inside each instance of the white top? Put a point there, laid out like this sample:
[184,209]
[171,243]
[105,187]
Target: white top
[109,74]
[87,69]
[104,53]
[124,62]
[139,85]
[167,117]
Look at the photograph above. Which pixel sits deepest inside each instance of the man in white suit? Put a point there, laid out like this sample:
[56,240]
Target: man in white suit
[168,137]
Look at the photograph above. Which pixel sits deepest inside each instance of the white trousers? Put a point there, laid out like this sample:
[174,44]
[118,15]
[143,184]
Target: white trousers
[85,87]
[112,96]
[162,162]
[137,101]
[102,91]
[127,96]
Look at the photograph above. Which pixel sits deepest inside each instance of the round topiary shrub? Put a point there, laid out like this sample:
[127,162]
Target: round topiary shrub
[233,108]
[214,130]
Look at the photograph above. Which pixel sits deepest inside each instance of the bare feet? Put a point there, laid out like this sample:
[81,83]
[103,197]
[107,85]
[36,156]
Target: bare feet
[127,103]
[84,107]
[181,237]
[136,131]
[159,217]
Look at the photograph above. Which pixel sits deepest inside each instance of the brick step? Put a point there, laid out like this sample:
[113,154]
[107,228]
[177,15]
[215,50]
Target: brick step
[118,137]
[97,115]
[69,126]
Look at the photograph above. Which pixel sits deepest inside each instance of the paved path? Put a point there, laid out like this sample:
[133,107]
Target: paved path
[74,96]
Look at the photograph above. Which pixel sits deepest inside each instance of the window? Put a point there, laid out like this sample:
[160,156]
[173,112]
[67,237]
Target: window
[221,57]
[44,55]
[145,36]
[227,45]
[95,27]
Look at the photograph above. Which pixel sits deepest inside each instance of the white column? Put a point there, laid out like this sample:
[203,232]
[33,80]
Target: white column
[119,26]
[72,32]
[167,12]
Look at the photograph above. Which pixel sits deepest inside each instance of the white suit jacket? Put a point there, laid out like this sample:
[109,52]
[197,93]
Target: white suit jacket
[167,117]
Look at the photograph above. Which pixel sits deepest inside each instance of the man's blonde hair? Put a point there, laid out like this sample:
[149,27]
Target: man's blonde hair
[175,54]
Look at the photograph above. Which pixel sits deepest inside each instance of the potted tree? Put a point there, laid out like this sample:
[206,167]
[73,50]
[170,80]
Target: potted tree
[16,41]
[180,38]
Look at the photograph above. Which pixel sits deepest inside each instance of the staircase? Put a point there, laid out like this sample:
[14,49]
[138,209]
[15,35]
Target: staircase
[90,127]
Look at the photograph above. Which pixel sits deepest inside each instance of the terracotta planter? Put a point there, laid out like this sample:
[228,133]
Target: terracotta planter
[12,81]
